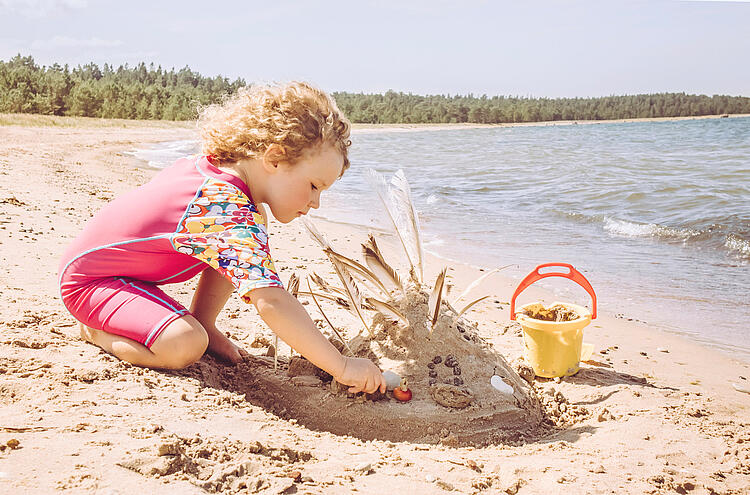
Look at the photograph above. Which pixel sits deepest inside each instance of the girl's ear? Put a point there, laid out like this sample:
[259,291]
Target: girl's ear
[274,154]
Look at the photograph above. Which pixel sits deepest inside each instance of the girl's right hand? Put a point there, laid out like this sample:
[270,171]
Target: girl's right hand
[361,375]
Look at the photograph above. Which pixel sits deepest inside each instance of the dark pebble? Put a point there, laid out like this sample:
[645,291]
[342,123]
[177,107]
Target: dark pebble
[437,359]
[376,396]
[432,374]
[457,381]
[432,381]
[431,366]
[456,370]
[466,337]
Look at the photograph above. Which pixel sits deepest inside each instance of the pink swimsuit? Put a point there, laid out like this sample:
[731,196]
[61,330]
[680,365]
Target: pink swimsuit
[189,217]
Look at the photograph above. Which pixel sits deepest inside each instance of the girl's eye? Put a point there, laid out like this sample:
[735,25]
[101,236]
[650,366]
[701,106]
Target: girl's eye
[313,187]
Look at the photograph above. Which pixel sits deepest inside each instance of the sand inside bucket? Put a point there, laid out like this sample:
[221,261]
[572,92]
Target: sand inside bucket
[557,312]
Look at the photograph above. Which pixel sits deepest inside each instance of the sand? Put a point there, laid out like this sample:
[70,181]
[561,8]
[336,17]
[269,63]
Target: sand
[650,413]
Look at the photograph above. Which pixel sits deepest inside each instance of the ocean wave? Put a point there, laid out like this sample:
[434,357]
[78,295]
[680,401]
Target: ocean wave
[717,238]
[633,229]
[738,245]
[164,154]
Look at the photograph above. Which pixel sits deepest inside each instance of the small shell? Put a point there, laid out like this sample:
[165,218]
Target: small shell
[451,396]
[392,380]
[500,385]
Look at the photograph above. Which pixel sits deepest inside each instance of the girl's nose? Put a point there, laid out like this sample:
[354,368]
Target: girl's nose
[315,201]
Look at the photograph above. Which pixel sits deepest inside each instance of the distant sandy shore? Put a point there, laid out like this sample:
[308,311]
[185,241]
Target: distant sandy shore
[656,413]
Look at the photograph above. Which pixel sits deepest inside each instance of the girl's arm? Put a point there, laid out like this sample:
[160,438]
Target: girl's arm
[288,319]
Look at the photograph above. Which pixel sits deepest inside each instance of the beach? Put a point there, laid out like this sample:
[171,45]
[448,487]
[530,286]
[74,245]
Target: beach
[655,412]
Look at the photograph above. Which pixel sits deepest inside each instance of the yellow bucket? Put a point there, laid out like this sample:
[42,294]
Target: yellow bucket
[554,348]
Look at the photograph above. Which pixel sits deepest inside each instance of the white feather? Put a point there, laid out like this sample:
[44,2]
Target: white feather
[388,310]
[352,291]
[407,220]
[375,260]
[466,308]
[477,282]
[335,331]
[383,191]
[436,297]
[362,271]
[315,234]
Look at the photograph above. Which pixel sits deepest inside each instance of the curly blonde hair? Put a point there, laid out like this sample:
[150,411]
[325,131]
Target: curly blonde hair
[295,115]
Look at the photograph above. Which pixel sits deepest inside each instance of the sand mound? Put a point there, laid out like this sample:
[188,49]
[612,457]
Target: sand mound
[448,371]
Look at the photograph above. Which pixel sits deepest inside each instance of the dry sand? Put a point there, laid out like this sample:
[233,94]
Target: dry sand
[657,414]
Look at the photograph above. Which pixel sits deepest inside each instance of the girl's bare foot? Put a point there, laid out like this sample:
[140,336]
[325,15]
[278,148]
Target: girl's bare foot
[224,349]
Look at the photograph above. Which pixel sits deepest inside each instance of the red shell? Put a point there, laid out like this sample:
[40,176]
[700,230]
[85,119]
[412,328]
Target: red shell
[401,394]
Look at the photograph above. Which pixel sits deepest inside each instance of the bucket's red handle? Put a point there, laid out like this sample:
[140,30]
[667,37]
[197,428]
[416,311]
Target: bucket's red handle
[572,274]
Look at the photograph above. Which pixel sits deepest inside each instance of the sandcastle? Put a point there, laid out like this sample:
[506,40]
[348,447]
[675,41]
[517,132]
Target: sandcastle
[464,391]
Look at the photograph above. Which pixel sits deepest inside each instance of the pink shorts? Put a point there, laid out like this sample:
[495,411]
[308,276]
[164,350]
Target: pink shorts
[123,306]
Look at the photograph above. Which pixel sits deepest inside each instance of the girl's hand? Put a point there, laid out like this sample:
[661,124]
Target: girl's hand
[362,375]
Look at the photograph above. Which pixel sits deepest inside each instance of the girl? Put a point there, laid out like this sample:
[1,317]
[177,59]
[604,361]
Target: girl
[275,145]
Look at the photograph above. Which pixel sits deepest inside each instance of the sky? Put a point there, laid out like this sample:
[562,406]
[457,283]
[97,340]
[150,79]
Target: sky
[535,48]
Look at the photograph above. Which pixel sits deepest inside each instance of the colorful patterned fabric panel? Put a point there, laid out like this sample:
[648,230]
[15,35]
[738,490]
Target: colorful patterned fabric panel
[224,229]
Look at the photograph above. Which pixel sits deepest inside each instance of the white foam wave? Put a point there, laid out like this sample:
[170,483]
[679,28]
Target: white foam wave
[166,153]
[632,229]
[734,243]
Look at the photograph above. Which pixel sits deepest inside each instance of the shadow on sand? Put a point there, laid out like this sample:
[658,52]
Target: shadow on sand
[261,388]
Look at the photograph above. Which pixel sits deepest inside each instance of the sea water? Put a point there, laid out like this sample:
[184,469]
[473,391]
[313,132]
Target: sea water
[655,214]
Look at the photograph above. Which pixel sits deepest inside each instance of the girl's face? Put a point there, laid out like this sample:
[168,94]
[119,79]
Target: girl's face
[295,188]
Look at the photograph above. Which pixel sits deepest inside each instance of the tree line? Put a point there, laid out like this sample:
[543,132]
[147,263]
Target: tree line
[148,92]
[139,92]
[395,107]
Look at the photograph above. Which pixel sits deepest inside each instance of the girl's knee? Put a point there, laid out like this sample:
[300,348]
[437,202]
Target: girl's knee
[181,344]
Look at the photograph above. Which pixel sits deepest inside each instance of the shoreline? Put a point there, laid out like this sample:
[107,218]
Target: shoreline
[39,120]
[662,414]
